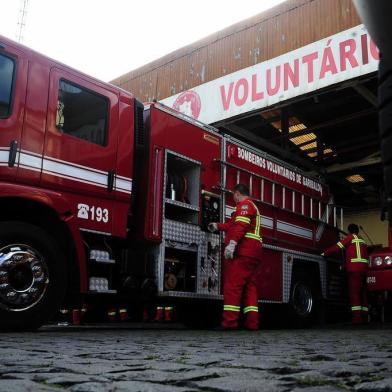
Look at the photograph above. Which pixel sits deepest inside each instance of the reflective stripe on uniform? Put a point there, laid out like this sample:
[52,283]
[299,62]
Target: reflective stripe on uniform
[253,236]
[359,258]
[251,309]
[356,308]
[242,219]
[365,309]
[340,245]
[356,260]
[256,234]
[232,308]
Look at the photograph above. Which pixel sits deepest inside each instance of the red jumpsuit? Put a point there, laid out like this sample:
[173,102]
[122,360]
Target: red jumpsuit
[240,274]
[357,263]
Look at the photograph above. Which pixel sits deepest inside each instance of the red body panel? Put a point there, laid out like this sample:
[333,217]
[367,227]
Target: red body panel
[270,278]
[56,161]
[280,226]
[62,172]
[59,203]
[380,277]
[11,127]
[379,280]
[168,132]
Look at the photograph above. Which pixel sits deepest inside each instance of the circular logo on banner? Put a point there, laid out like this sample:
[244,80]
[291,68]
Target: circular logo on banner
[188,103]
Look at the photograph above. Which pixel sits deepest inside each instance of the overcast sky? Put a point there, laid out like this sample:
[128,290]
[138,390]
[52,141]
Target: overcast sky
[109,38]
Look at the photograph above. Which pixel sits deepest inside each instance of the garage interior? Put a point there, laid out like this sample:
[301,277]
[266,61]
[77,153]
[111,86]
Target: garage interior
[332,133]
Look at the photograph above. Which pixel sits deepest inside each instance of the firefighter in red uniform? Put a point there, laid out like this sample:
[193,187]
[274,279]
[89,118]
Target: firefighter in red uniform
[357,263]
[242,258]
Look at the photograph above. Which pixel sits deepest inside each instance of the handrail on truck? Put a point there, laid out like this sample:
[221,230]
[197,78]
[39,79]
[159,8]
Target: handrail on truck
[292,210]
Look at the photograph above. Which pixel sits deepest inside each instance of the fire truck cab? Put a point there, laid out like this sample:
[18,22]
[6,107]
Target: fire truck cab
[102,197]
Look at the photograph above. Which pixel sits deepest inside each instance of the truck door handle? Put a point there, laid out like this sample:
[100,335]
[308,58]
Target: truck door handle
[13,152]
[111,174]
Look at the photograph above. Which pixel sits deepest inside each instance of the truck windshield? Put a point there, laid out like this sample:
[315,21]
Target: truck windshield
[6,78]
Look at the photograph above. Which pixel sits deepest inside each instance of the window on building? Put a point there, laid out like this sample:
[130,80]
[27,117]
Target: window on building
[82,113]
[6,80]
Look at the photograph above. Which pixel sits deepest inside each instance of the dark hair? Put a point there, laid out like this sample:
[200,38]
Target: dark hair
[353,228]
[243,189]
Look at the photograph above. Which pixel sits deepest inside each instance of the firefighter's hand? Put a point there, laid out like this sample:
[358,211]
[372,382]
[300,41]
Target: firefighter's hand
[212,227]
[229,250]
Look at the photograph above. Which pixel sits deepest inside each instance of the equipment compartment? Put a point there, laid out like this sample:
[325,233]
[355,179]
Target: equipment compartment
[182,188]
[180,270]
[181,212]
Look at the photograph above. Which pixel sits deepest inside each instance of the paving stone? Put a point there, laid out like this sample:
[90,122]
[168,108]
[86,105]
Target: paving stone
[240,384]
[24,385]
[92,387]
[162,360]
[67,378]
[375,386]
[324,388]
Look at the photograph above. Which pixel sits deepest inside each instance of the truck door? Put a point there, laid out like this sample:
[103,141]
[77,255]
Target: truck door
[13,76]
[80,146]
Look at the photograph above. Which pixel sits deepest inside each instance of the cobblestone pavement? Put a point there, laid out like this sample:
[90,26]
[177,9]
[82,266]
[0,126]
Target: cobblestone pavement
[82,360]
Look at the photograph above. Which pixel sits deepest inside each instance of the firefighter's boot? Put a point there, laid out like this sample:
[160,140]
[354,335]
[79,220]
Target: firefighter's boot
[356,315]
[112,315]
[123,314]
[168,314]
[159,314]
[251,318]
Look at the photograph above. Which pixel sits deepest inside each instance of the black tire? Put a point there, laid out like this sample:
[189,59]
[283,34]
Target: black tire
[51,293]
[305,301]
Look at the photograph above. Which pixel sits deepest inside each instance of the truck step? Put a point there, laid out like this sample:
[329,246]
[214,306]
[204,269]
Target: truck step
[102,292]
[101,256]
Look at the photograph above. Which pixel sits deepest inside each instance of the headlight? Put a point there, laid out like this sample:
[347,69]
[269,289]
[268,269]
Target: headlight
[377,261]
[388,260]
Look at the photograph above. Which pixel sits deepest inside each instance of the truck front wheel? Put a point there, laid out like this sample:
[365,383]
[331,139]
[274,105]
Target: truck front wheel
[33,276]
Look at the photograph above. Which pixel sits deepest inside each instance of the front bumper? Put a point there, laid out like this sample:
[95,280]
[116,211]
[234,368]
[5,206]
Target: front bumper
[379,280]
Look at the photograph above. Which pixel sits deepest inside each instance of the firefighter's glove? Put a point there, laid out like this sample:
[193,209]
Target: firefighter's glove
[212,227]
[229,250]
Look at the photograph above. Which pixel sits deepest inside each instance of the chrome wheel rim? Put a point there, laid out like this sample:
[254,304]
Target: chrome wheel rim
[24,277]
[302,299]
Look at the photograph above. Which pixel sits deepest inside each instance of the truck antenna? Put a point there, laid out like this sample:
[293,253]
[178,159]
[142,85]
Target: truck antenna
[22,20]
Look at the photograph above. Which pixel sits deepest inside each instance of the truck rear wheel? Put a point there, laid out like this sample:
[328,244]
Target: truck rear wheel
[304,300]
[33,276]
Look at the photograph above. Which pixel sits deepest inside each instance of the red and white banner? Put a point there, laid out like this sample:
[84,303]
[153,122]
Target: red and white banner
[340,57]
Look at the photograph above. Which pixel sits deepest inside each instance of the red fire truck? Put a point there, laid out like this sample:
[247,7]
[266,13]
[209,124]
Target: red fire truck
[103,197]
